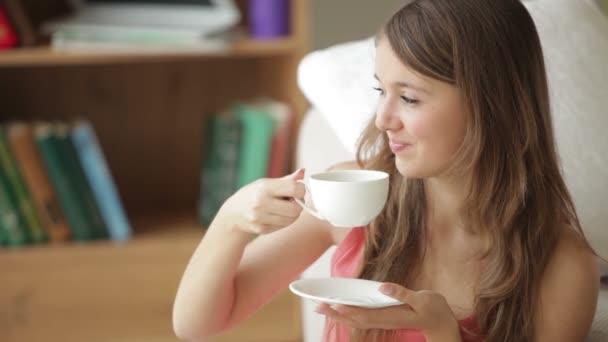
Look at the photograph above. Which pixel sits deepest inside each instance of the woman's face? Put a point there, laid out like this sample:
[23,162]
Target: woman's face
[422,117]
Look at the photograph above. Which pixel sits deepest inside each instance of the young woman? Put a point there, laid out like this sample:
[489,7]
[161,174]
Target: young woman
[479,235]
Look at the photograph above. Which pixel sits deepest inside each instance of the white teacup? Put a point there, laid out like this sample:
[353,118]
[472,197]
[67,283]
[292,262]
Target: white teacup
[347,198]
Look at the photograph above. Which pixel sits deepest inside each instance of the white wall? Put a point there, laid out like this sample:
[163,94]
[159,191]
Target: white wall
[336,21]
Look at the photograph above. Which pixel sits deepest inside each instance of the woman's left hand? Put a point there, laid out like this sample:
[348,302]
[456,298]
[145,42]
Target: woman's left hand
[426,311]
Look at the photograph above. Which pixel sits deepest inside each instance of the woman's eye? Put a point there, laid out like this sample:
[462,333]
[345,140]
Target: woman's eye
[379,90]
[408,100]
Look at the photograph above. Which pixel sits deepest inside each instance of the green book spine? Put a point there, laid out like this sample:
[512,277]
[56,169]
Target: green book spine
[63,184]
[11,228]
[92,210]
[220,167]
[31,221]
[256,138]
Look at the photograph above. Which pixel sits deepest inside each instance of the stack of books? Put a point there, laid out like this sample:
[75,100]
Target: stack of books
[115,26]
[176,26]
[55,185]
[245,142]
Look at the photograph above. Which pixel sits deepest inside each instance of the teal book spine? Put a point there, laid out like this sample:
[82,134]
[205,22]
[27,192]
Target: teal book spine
[12,233]
[29,217]
[63,184]
[70,158]
[256,138]
[220,164]
[101,181]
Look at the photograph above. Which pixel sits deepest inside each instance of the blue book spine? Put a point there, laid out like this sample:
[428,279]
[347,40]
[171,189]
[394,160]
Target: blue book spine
[101,182]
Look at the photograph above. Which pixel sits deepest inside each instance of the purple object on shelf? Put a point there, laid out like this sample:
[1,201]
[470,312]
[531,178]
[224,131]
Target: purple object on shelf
[269,18]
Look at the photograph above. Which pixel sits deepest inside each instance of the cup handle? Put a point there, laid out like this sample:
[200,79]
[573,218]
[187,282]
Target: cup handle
[305,207]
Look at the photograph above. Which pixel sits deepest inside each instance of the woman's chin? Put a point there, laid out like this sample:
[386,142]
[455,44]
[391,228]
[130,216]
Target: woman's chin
[407,170]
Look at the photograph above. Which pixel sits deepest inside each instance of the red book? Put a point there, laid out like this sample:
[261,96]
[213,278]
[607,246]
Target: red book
[8,38]
[283,115]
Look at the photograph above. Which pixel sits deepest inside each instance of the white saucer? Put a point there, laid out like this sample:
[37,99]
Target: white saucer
[347,291]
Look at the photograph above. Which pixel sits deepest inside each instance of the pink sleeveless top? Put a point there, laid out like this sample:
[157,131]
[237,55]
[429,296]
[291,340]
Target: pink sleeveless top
[345,263]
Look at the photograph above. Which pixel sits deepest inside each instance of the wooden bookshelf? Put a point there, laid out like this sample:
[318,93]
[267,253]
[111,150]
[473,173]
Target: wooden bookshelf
[149,113]
[45,56]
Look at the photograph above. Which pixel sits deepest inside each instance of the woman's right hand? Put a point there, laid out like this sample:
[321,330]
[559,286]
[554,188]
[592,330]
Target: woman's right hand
[265,205]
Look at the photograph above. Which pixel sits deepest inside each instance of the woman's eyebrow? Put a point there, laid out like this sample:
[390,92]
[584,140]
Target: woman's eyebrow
[402,84]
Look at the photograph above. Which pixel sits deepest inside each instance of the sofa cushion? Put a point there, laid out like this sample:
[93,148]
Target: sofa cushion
[338,81]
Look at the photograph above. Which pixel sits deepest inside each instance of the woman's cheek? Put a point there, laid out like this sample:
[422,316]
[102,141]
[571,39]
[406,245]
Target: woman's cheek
[418,126]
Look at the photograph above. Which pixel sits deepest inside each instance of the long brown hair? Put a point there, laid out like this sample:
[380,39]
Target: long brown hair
[518,200]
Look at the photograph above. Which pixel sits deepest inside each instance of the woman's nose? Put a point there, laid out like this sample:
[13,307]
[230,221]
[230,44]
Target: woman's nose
[386,117]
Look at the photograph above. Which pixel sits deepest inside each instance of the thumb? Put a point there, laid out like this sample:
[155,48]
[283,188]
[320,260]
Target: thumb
[297,174]
[397,291]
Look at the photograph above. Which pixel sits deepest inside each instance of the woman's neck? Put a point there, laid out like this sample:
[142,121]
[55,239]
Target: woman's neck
[445,198]
[446,226]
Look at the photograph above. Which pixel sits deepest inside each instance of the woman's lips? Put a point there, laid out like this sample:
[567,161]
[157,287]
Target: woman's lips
[397,147]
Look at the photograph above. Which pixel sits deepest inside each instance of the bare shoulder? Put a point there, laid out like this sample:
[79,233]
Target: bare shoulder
[338,234]
[569,291]
[572,259]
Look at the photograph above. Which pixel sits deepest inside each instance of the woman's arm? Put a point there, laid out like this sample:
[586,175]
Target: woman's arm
[229,276]
[569,292]
[225,282]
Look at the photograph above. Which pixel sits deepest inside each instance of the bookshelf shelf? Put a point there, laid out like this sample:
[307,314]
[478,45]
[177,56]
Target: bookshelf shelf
[45,56]
[150,232]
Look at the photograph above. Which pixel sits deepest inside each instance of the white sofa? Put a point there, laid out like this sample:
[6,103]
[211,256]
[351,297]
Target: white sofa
[338,80]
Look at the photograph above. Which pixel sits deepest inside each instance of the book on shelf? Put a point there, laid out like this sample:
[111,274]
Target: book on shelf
[99,178]
[146,27]
[64,171]
[115,39]
[220,163]
[256,137]
[284,120]
[71,198]
[203,16]
[12,231]
[8,36]
[21,139]
[70,159]
[245,143]
[35,231]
